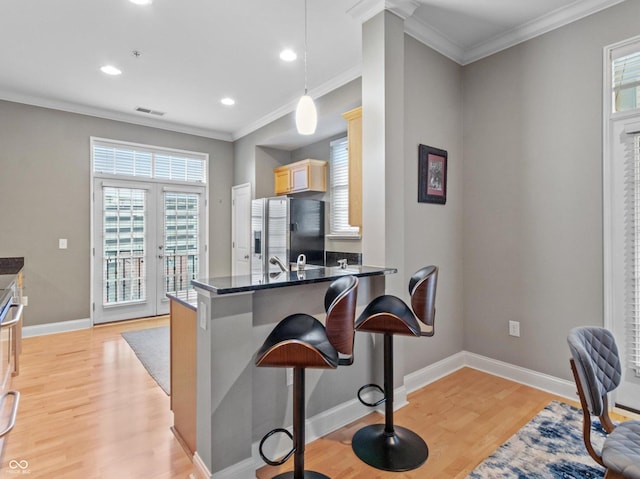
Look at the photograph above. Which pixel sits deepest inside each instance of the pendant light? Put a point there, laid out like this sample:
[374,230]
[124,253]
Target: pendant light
[306,115]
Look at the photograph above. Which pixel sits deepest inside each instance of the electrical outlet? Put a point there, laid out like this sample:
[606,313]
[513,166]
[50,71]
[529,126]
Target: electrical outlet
[203,316]
[24,301]
[514,328]
[289,376]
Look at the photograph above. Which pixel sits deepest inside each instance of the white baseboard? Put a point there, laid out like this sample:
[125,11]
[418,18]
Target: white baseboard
[244,469]
[425,376]
[343,414]
[315,427]
[528,377]
[52,328]
[201,467]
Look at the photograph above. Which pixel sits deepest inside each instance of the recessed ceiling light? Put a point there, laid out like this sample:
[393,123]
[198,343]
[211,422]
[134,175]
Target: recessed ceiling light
[141,2]
[228,101]
[288,55]
[110,70]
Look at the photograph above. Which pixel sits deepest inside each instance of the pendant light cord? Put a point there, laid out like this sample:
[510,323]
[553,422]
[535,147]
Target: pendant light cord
[305,47]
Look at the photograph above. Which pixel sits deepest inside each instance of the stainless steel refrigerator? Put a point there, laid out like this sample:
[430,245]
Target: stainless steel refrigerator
[286,227]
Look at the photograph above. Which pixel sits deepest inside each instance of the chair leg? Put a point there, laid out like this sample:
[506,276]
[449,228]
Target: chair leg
[386,446]
[298,432]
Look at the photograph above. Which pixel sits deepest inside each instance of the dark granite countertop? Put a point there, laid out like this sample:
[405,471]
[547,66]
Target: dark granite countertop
[11,265]
[9,268]
[187,297]
[6,291]
[239,284]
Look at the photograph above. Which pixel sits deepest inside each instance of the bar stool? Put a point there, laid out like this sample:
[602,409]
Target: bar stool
[300,341]
[385,446]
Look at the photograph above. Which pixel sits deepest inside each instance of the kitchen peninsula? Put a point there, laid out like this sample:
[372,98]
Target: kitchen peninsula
[238,403]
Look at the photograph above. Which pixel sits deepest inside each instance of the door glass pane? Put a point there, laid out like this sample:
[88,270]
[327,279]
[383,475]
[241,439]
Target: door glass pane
[124,272]
[181,242]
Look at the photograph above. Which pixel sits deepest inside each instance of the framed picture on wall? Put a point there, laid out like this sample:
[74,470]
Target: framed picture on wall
[432,175]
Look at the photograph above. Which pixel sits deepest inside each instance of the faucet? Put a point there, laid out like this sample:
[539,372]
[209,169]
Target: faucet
[278,261]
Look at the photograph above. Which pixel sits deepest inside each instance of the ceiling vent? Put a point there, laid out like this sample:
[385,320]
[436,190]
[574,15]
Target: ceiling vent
[150,112]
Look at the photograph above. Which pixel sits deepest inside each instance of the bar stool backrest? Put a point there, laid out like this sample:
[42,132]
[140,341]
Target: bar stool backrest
[597,362]
[340,304]
[422,288]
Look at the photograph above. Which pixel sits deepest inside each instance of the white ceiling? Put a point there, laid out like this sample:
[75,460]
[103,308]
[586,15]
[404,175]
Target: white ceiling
[194,52]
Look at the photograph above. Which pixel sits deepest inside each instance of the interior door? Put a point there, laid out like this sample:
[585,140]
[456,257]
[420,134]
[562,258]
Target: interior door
[149,240]
[241,229]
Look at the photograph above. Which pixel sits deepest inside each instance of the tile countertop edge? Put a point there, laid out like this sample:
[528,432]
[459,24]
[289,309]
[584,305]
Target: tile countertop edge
[358,271]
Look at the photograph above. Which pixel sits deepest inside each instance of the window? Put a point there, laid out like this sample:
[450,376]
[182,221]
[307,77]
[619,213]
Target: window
[632,250]
[143,162]
[621,207]
[339,186]
[149,210]
[626,82]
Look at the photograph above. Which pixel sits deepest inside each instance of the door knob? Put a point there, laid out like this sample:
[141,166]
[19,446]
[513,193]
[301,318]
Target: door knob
[160,256]
[246,256]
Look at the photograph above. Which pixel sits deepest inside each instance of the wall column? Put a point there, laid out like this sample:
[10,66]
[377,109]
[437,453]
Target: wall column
[383,212]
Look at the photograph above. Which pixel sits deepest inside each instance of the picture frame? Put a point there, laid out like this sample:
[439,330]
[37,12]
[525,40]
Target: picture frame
[432,175]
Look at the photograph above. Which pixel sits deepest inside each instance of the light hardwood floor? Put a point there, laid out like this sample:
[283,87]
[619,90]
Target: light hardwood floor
[463,418]
[90,410]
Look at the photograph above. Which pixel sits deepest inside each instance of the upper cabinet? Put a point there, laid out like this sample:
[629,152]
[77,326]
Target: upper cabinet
[354,133]
[301,176]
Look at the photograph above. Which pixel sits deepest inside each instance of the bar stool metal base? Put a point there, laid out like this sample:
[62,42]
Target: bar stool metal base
[307,475]
[401,451]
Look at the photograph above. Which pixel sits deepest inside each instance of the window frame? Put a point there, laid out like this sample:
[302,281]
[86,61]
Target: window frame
[615,220]
[153,150]
[352,232]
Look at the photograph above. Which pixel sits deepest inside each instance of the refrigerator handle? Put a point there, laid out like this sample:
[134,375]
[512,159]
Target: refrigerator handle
[257,242]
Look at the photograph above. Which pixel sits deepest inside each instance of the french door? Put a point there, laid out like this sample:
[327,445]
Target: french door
[149,240]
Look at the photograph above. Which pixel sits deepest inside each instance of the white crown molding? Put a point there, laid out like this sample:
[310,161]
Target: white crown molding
[434,39]
[546,23]
[334,83]
[366,9]
[112,115]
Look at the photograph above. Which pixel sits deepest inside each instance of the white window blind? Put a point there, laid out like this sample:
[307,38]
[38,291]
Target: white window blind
[339,186]
[632,251]
[127,160]
[626,82]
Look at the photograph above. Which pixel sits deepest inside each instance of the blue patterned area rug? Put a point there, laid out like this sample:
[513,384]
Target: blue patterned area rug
[548,447]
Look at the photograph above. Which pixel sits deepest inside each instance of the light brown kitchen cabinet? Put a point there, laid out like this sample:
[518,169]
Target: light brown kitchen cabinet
[183,373]
[301,176]
[354,134]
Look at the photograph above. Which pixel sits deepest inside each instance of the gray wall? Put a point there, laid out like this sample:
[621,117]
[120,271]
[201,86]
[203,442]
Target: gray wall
[253,166]
[266,160]
[433,233]
[44,192]
[532,191]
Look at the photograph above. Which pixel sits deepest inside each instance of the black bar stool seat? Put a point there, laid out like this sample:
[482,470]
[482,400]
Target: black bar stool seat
[300,341]
[386,446]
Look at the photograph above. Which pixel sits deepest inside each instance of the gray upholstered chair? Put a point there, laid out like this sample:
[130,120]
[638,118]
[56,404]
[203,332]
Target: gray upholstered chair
[596,369]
